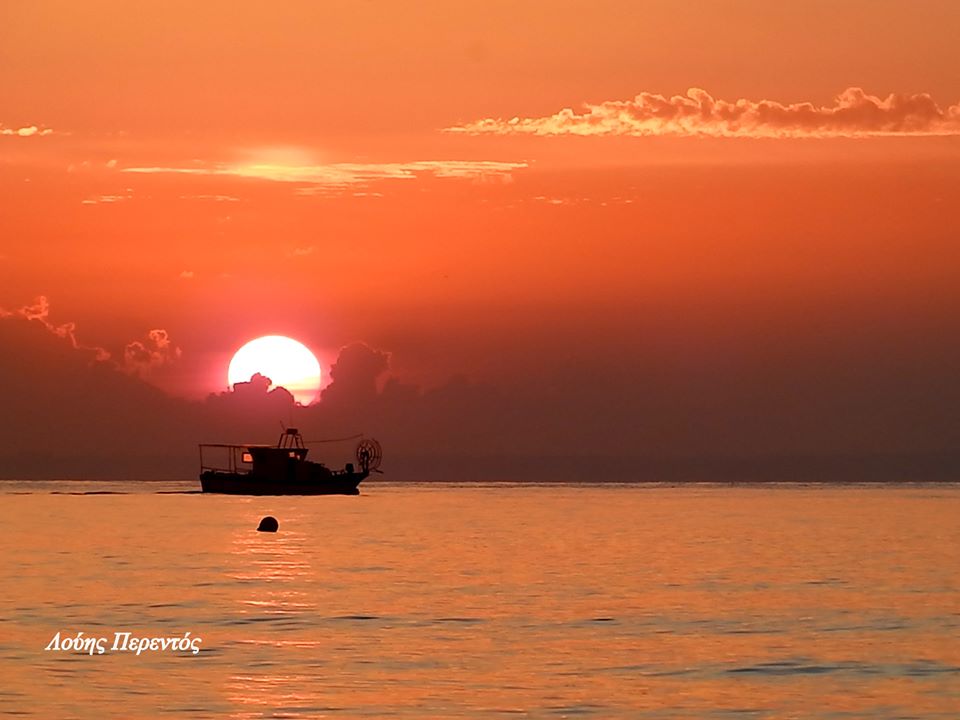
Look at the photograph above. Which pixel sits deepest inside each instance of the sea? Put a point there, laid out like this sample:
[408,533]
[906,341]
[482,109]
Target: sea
[507,600]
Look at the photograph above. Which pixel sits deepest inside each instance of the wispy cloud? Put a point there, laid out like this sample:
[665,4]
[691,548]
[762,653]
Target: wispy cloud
[853,114]
[139,356]
[108,199]
[154,350]
[28,131]
[39,311]
[212,198]
[347,174]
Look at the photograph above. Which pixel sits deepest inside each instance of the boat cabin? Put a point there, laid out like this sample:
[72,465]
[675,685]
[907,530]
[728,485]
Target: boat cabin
[281,461]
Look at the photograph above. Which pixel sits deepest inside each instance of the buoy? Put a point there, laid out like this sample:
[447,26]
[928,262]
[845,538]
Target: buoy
[268,524]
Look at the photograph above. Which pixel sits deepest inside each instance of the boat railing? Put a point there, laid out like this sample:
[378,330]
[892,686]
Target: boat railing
[216,457]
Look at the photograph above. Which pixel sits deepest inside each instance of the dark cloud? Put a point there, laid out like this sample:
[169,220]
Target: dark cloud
[151,351]
[772,412]
[67,416]
[39,311]
[354,376]
[154,350]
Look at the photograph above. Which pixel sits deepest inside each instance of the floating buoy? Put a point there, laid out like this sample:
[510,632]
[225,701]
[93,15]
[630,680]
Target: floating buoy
[268,524]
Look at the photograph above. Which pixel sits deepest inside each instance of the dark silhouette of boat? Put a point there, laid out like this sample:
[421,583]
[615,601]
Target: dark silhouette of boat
[282,469]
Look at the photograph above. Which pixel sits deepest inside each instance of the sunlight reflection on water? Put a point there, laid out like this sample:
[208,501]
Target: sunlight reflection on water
[453,601]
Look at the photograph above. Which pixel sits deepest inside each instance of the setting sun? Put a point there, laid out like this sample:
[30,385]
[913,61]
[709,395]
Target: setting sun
[288,364]
[455,358]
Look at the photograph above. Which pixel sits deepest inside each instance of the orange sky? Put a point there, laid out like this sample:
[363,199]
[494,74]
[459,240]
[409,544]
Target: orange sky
[349,172]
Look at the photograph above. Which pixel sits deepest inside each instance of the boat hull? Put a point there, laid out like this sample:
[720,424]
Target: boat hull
[228,483]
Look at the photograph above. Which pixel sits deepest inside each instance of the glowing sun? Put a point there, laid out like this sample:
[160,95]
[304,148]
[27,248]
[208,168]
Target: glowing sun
[288,363]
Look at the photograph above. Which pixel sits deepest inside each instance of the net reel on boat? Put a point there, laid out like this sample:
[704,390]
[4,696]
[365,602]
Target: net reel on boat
[369,454]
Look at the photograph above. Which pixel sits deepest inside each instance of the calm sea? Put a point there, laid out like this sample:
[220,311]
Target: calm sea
[447,601]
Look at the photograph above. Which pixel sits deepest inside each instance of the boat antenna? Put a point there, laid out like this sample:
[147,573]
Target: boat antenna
[331,440]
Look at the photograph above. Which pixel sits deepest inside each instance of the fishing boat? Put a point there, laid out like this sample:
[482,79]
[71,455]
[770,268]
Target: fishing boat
[282,469]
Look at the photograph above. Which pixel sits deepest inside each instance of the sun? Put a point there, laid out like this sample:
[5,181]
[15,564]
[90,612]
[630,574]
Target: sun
[288,363]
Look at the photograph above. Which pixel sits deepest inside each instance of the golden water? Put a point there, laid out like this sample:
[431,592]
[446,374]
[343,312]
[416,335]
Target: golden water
[465,601]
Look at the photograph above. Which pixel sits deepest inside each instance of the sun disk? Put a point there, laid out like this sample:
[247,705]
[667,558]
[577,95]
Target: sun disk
[288,364]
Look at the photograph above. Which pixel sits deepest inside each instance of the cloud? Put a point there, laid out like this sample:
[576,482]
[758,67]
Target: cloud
[354,375]
[853,114]
[139,356]
[154,350]
[340,175]
[214,198]
[257,389]
[106,199]
[795,420]
[29,131]
[39,312]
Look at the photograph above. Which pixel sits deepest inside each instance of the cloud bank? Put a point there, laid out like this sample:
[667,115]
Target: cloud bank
[845,420]
[853,114]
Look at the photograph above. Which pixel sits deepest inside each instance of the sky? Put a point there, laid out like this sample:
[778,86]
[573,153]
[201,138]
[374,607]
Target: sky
[575,240]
